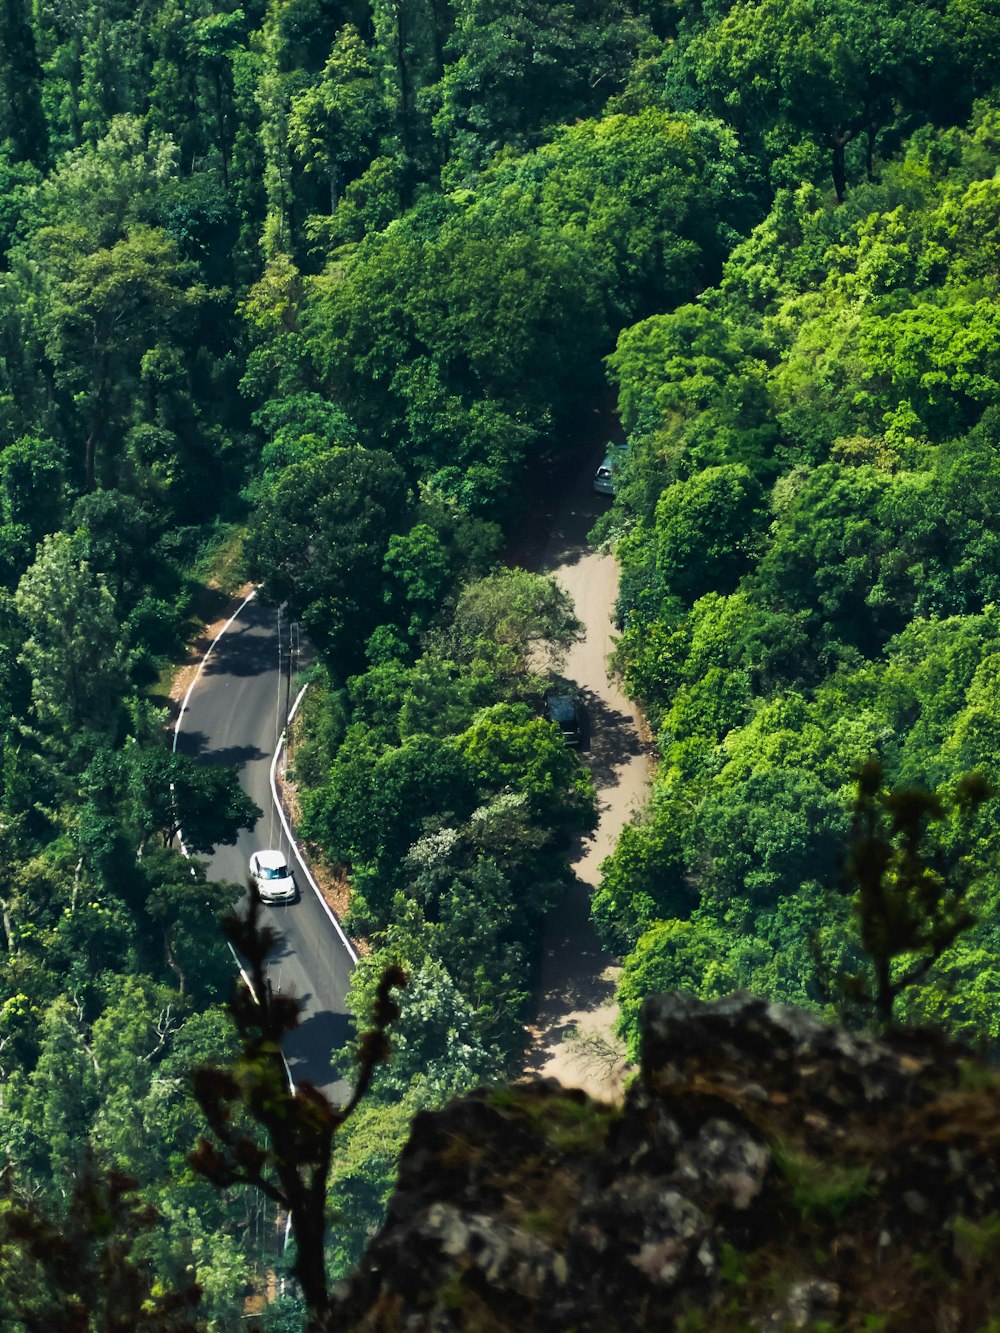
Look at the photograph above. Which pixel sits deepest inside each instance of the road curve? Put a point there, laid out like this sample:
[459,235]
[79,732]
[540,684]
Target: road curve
[233,715]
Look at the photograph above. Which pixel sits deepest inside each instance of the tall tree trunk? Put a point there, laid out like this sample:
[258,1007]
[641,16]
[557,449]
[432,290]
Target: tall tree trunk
[220,127]
[171,962]
[10,942]
[89,460]
[839,167]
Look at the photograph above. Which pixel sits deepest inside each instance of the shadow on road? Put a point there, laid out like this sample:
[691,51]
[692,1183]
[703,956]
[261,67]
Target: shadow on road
[281,950]
[563,506]
[322,1033]
[578,979]
[241,655]
[310,1049]
[197,745]
[568,536]
[249,647]
[569,932]
[611,740]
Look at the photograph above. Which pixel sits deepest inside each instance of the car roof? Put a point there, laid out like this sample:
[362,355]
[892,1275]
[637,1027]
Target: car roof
[271,860]
[561,706]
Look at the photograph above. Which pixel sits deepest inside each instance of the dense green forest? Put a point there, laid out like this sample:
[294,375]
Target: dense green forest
[808,534]
[305,292]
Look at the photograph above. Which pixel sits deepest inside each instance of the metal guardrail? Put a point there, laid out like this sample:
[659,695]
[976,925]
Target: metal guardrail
[292,842]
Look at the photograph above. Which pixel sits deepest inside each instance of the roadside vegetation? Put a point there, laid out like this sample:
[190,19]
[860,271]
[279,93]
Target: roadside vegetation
[806,524]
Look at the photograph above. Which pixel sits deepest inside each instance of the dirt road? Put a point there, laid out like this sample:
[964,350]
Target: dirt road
[578,977]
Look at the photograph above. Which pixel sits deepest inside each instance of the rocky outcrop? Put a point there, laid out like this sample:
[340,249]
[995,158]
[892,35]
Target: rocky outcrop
[767,1171]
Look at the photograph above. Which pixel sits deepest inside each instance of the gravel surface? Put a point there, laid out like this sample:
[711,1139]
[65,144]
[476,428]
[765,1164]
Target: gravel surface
[573,1035]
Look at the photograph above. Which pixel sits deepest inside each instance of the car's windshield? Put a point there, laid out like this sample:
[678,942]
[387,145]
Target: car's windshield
[274,872]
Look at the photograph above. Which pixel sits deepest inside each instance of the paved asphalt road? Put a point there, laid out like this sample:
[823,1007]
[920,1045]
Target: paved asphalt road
[232,717]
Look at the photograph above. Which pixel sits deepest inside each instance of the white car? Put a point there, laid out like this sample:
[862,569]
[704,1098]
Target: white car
[269,872]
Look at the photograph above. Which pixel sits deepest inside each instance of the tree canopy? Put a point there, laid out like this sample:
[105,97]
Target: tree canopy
[334,297]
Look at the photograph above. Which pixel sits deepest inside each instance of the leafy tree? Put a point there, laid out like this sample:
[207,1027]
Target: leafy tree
[137,801]
[319,540]
[182,901]
[705,530]
[204,803]
[957,995]
[22,123]
[836,72]
[33,487]
[216,39]
[125,1040]
[110,187]
[442,698]
[674,955]
[375,699]
[18,180]
[464,292]
[419,568]
[515,69]
[72,650]
[910,910]
[293,1165]
[375,804]
[82,1270]
[643,881]
[335,124]
[58,1098]
[512,620]
[410,38]
[797,950]
[363,1177]
[769,835]
[116,533]
[438,1051]
[436,1040]
[300,425]
[506,747]
[830,572]
[109,309]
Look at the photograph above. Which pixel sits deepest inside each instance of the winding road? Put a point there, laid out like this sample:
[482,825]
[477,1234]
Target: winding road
[233,714]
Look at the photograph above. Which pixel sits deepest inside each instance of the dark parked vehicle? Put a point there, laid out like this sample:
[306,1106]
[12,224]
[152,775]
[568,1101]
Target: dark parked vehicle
[567,714]
[604,483]
[604,477]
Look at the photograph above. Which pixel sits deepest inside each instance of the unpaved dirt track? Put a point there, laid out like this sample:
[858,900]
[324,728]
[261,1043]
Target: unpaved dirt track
[578,977]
